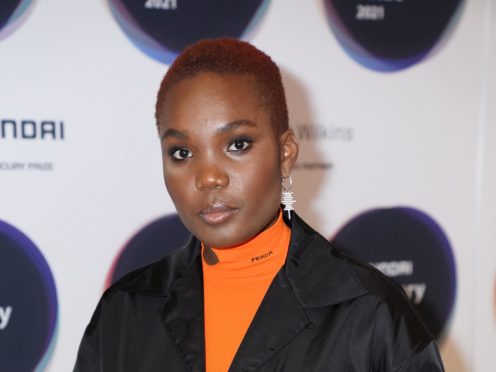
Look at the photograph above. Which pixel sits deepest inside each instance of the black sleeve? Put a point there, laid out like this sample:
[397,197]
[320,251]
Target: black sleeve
[425,360]
[401,342]
[89,353]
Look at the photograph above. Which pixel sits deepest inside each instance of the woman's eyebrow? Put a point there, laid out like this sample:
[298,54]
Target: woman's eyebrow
[173,133]
[228,127]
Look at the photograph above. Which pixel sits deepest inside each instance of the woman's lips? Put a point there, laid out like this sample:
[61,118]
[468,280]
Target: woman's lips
[217,213]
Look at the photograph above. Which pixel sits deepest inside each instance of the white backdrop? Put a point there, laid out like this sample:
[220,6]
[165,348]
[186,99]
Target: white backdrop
[423,137]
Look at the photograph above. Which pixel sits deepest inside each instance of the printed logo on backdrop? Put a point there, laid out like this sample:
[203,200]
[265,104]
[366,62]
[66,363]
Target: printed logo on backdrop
[310,133]
[12,15]
[410,247]
[163,28]
[149,244]
[28,303]
[390,35]
[29,131]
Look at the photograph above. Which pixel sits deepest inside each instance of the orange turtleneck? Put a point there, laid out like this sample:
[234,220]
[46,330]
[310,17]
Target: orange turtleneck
[234,289]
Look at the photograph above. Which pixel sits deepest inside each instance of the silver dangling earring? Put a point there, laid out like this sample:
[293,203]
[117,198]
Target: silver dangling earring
[287,195]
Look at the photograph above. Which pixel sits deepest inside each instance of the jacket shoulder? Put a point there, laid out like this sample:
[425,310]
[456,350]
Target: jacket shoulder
[374,280]
[398,326]
[157,278]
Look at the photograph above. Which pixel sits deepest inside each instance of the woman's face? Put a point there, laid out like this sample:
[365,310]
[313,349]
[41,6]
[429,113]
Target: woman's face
[222,160]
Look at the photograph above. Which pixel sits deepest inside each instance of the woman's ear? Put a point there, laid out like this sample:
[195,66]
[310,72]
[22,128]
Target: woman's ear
[289,151]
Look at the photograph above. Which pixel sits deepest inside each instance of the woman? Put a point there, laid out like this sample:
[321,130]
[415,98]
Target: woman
[252,290]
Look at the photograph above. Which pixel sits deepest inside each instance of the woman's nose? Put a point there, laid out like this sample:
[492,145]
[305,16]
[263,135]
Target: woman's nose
[211,176]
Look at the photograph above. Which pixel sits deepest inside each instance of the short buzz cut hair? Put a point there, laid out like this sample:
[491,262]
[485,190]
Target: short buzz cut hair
[226,56]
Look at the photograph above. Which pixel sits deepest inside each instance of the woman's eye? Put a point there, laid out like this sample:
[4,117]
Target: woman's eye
[180,154]
[239,145]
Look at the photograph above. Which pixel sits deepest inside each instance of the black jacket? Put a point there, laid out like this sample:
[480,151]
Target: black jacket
[323,312]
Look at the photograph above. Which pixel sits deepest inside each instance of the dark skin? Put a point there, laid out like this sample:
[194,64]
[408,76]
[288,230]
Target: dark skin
[222,158]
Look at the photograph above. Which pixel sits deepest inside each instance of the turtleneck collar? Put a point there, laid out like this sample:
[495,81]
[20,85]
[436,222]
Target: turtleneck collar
[257,256]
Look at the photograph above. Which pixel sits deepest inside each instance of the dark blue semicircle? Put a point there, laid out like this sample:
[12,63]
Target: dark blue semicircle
[163,30]
[404,234]
[150,244]
[28,288]
[389,36]
[7,8]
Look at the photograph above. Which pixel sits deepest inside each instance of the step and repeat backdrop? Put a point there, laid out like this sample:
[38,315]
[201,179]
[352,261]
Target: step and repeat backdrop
[393,103]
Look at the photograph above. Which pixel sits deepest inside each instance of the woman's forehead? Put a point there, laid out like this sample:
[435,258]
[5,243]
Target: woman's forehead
[211,96]
[212,83]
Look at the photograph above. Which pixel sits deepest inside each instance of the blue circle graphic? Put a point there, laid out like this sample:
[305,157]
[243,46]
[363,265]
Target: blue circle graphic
[163,28]
[390,35]
[28,302]
[411,248]
[12,14]
[149,244]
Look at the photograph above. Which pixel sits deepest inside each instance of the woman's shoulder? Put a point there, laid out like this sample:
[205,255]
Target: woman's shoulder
[334,265]
[398,327]
[341,278]
[156,278]
[378,284]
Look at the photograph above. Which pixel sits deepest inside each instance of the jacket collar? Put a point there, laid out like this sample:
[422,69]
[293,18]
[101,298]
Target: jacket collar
[318,273]
[314,275]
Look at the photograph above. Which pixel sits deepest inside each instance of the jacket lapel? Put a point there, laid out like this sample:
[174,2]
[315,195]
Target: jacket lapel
[178,279]
[182,315]
[319,274]
[278,320]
